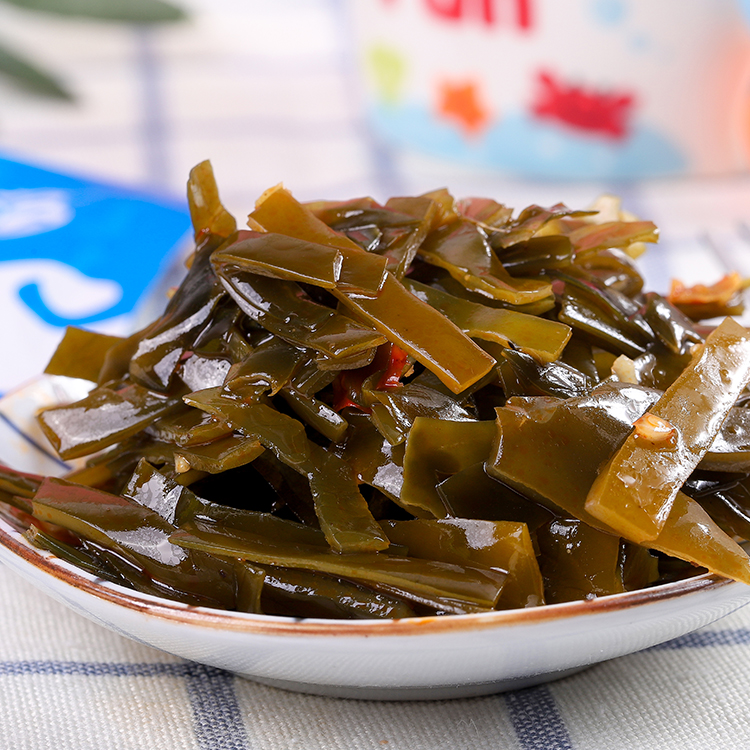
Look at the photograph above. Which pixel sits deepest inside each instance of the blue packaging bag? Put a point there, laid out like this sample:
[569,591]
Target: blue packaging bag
[75,252]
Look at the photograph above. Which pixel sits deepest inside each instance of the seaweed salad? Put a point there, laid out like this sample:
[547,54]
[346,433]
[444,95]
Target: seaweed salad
[429,406]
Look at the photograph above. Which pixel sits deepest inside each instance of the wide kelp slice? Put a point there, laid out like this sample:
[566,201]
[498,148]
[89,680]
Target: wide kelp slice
[140,535]
[541,338]
[551,450]
[278,211]
[105,417]
[456,588]
[634,491]
[502,545]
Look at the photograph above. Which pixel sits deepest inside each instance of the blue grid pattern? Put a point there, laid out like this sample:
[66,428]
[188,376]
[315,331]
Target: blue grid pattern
[219,722]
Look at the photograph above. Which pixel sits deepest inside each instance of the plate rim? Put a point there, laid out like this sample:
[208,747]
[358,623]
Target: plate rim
[273,625]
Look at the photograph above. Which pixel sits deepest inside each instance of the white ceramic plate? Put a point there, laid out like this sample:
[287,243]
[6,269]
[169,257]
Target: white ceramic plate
[419,658]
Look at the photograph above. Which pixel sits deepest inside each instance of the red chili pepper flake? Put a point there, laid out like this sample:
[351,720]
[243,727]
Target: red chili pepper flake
[719,293]
[391,378]
[347,387]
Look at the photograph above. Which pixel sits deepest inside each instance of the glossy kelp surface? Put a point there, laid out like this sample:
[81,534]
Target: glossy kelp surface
[429,406]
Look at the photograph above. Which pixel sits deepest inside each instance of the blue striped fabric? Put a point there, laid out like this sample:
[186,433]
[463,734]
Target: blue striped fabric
[707,639]
[536,720]
[217,717]
[219,721]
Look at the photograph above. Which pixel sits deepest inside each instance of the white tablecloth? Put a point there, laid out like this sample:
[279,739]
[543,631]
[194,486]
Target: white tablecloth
[267,91]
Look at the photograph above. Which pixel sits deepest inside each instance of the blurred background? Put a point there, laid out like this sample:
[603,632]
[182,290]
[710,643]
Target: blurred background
[525,101]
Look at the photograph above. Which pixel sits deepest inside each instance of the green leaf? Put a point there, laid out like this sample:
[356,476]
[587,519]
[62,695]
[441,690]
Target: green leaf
[30,77]
[134,11]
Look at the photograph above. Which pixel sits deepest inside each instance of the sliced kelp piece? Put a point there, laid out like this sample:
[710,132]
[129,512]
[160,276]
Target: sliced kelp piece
[541,338]
[341,509]
[462,249]
[282,257]
[18,482]
[422,332]
[473,493]
[725,497]
[283,308]
[460,587]
[149,487]
[374,460]
[221,455]
[520,373]
[206,210]
[551,451]
[730,450]
[530,222]
[266,369]
[306,593]
[537,255]
[608,318]
[189,427]
[188,312]
[104,417]
[578,561]
[315,413]
[634,491]
[437,448]
[81,354]
[278,211]
[485,212]
[394,231]
[591,237]
[140,535]
[670,324]
[393,411]
[503,545]
[401,247]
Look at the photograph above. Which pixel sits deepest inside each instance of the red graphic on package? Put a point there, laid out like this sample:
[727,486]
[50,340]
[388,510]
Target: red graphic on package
[489,12]
[606,113]
[462,103]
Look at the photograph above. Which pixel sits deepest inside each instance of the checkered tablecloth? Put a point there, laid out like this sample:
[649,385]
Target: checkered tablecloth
[268,92]
[66,682]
